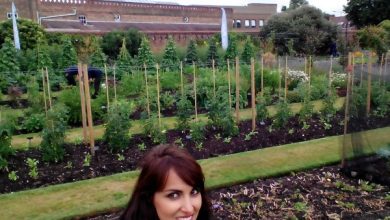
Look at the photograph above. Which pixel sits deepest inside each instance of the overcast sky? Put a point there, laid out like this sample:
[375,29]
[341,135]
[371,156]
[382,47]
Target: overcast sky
[329,6]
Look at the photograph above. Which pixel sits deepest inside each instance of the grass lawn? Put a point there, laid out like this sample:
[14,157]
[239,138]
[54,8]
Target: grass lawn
[112,192]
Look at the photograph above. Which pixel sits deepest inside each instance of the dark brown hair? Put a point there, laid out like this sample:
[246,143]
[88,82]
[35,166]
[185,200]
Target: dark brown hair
[155,167]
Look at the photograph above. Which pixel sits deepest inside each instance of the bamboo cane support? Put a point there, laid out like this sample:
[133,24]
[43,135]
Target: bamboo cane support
[158,96]
[237,91]
[262,76]
[229,84]
[368,107]
[147,91]
[181,79]
[346,114]
[309,77]
[107,94]
[385,70]
[89,110]
[361,71]
[82,100]
[196,103]
[380,69]
[115,99]
[253,97]
[330,77]
[285,81]
[353,74]
[213,77]
[44,90]
[48,87]
[280,79]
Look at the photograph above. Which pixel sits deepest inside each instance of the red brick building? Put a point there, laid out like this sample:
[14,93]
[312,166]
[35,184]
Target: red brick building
[156,20]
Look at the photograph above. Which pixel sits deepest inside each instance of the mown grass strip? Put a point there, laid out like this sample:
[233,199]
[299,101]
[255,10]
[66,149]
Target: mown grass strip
[112,192]
[20,142]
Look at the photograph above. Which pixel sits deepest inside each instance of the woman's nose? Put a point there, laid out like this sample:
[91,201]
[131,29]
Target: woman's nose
[188,206]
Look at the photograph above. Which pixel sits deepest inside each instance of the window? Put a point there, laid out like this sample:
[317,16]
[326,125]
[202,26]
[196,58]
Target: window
[261,23]
[253,23]
[238,23]
[246,23]
[83,19]
[9,15]
[117,18]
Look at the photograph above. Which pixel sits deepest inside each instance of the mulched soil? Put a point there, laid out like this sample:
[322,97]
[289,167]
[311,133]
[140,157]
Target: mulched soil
[76,166]
[322,193]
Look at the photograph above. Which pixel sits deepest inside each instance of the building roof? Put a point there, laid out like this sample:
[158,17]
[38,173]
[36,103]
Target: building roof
[75,26]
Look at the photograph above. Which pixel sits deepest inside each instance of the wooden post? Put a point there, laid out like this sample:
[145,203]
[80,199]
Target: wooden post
[262,76]
[196,104]
[361,71]
[385,71]
[229,84]
[147,92]
[368,107]
[89,110]
[48,87]
[253,97]
[237,91]
[346,114]
[285,81]
[309,78]
[352,73]
[108,97]
[44,90]
[213,77]
[305,65]
[82,100]
[380,70]
[115,99]
[330,76]
[280,78]
[158,97]
[181,79]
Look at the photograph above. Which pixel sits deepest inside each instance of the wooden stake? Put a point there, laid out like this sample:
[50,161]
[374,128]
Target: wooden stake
[361,71]
[82,100]
[196,104]
[353,73]
[285,81]
[262,76]
[380,70]
[44,90]
[253,97]
[346,114]
[115,99]
[181,79]
[108,97]
[305,65]
[368,107]
[89,110]
[237,91]
[147,92]
[330,76]
[48,87]
[214,78]
[158,97]
[280,78]
[229,84]
[385,71]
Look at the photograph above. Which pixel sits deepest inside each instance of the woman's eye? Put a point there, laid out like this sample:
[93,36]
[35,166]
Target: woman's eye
[173,195]
[194,192]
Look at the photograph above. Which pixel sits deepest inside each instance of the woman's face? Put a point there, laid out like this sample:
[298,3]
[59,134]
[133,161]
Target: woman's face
[177,200]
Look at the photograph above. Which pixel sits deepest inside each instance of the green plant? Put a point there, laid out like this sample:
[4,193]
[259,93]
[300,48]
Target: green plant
[249,136]
[305,125]
[283,114]
[33,167]
[69,165]
[199,145]
[348,205]
[197,131]
[141,146]
[117,127]
[387,197]
[328,111]
[170,59]
[291,131]
[120,157]
[13,176]
[344,186]
[227,140]
[167,100]
[367,186]
[184,113]
[179,142]
[6,128]
[300,206]
[34,122]
[217,136]
[261,110]
[153,130]
[87,160]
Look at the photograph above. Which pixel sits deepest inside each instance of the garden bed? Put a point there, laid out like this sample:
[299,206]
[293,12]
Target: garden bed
[77,165]
[322,193]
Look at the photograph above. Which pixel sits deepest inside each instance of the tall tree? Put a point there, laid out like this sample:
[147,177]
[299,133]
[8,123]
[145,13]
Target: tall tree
[98,58]
[232,51]
[367,12]
[124,61]
[373,37]
[212,53]
[8,64]
[29,32]
[297,3]
[307,26]
[248,52]
[170,59]
[69,55]
[192,55]
[145,55]
[111,42]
